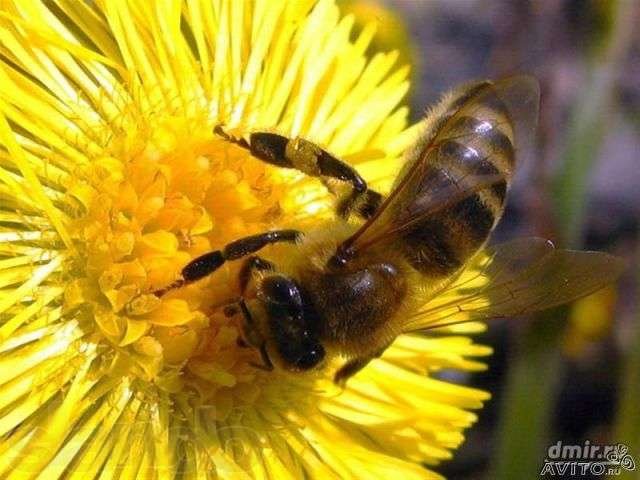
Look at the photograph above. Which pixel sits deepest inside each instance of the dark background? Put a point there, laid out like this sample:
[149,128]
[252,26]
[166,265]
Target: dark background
[569,375]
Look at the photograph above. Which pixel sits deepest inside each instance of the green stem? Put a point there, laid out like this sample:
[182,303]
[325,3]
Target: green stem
[528,402]
[587,126]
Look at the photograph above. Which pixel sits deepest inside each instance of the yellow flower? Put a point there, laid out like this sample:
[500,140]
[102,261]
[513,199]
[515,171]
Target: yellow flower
[590,321]
[391,32]
[111,180]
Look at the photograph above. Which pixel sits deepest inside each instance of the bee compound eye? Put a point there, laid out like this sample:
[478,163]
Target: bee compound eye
[280,290]
[311,357]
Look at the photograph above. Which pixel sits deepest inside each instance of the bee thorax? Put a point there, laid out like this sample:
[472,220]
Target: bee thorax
[357,306]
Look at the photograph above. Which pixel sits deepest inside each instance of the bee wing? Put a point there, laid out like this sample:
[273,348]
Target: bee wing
[410,202]
[516,278]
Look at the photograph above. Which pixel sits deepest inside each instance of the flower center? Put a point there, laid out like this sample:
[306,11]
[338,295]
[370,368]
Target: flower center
[159,197]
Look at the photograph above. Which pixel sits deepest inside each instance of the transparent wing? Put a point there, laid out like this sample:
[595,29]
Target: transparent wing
[419,192]
[431,203]
[516,278]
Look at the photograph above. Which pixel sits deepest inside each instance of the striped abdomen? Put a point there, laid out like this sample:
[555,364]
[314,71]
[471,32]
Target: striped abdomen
[466,164]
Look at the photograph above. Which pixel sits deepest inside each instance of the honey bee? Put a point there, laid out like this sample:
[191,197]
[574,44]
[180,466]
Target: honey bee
[412,260]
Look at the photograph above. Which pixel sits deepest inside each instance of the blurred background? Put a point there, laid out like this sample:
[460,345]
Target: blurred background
[572,374]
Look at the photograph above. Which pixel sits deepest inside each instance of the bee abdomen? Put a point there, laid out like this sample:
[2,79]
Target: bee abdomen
[429,249]
[486,139]
[473,217]
[473,150]
[440,244]
[463,164]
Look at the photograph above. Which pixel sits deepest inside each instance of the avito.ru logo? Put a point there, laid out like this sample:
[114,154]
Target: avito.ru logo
[587,459]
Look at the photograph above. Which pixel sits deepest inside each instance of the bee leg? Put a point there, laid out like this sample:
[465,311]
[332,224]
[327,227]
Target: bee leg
[266,364]
[352,367]
[252,340]
[251,264]
[312,160]
[364,205]
[349,369]
[209,262]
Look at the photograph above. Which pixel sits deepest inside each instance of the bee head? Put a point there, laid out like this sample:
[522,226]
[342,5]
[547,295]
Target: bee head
[291,324]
